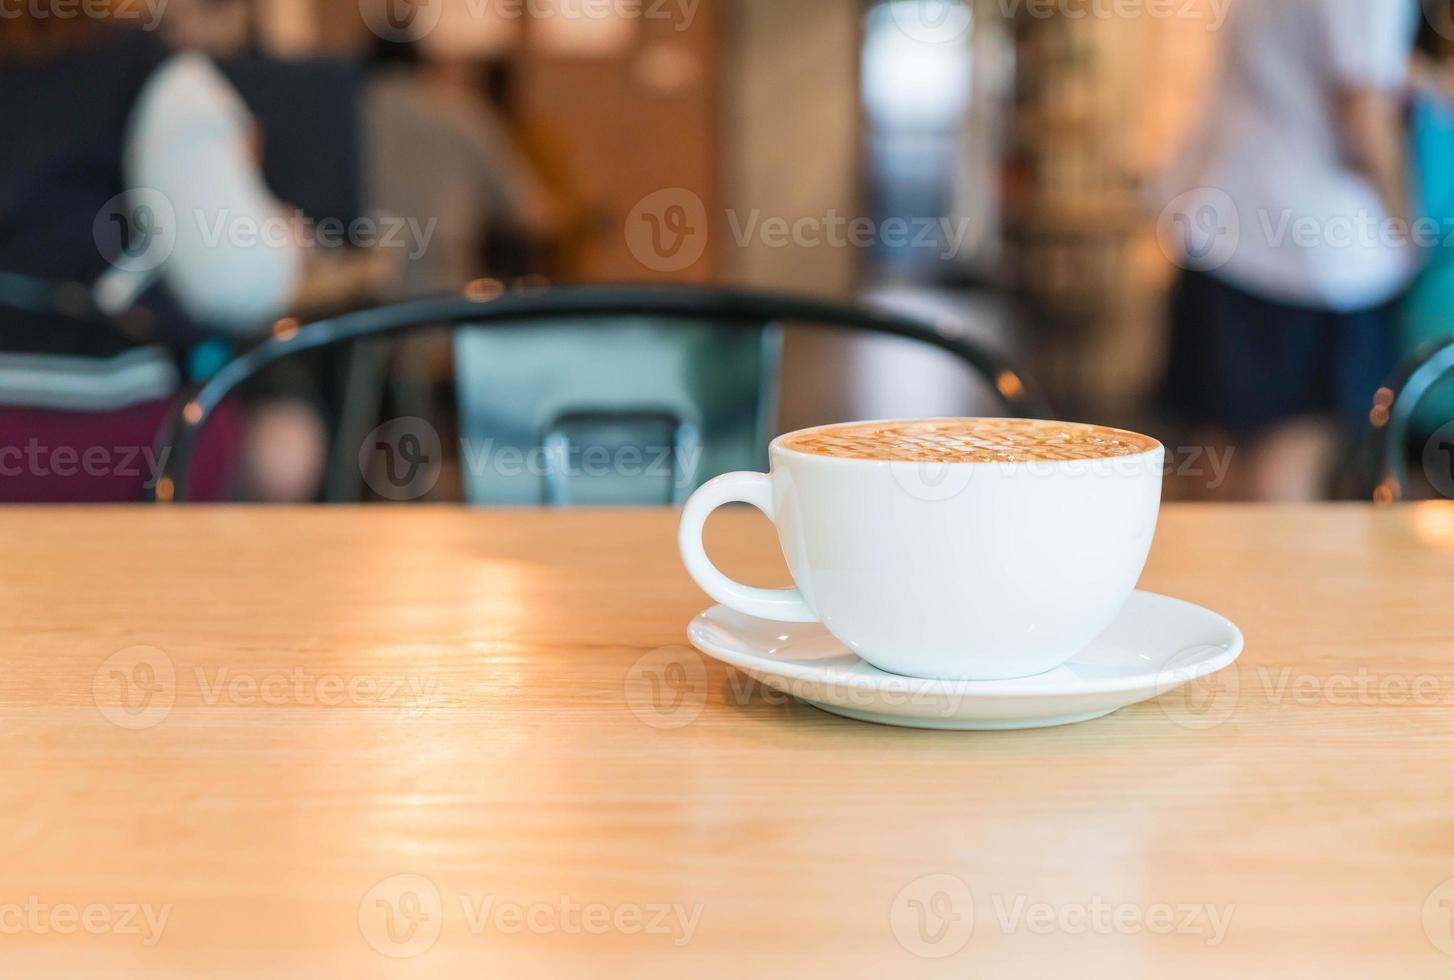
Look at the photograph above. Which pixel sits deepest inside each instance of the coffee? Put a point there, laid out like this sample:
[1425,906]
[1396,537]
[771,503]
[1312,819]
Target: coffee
[967,573]
[969,441]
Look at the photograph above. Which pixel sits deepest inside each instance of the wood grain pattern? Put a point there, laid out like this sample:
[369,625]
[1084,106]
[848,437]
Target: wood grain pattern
[254,722]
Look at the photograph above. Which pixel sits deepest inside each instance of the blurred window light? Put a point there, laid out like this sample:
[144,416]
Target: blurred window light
[916,64]
[917,75]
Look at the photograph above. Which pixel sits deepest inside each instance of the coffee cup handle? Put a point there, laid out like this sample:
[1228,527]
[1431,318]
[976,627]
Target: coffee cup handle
[780,605]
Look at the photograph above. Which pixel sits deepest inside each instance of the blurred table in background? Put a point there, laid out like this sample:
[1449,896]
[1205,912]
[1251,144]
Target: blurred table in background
[444,743]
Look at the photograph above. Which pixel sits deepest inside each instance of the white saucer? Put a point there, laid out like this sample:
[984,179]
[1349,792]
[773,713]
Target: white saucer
[1155,645]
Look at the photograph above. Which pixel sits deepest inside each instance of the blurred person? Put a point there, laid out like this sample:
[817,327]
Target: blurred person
[306,108]
[439,154]
[93,114]
[1295,238]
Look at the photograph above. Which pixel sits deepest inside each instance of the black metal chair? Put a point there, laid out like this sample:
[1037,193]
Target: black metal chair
[489,310]
[1392,416]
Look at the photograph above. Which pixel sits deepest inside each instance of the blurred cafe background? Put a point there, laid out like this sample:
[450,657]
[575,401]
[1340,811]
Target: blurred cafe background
[369,250]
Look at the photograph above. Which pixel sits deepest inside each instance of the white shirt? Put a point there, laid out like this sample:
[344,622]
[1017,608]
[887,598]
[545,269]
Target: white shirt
[225,247]
[1277,210]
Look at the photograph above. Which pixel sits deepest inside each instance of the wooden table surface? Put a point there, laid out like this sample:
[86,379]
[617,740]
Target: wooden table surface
[441,743]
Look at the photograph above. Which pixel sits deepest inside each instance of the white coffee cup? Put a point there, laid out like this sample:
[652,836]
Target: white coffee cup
[962,571]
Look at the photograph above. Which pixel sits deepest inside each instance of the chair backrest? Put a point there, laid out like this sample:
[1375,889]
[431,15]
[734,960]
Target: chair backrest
[631,411]
[644,367]
[76,382]
[1392,418]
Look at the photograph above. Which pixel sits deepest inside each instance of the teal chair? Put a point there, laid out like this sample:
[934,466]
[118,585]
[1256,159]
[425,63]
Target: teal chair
[597,396]
[641,412]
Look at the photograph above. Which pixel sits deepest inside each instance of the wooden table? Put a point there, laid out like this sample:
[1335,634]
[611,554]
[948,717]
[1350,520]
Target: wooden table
[439,743]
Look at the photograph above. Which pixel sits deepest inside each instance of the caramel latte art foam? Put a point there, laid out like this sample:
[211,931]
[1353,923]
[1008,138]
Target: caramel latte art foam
[969,441]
